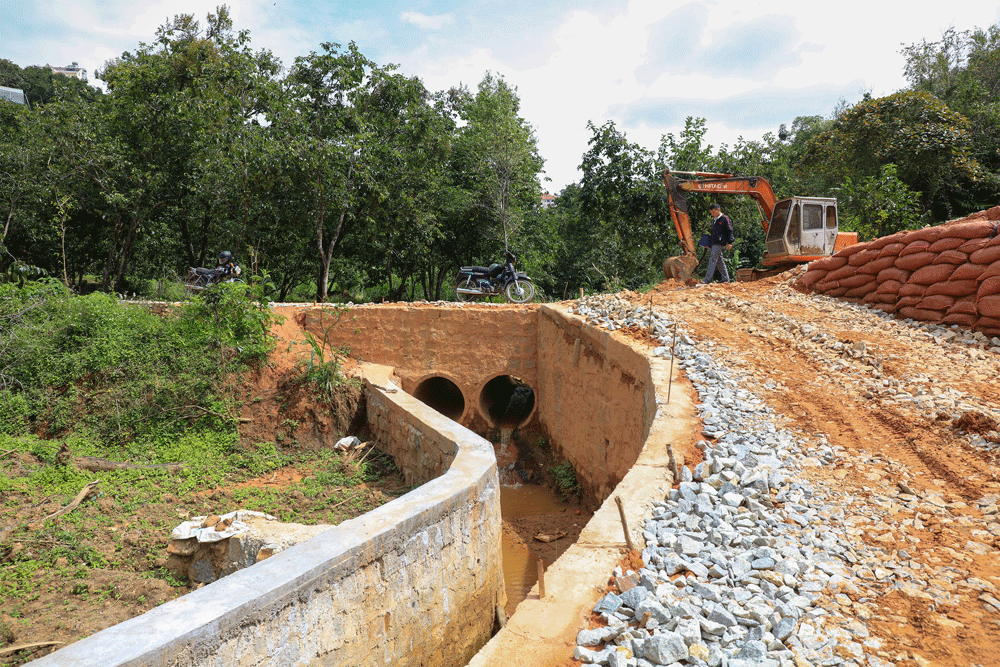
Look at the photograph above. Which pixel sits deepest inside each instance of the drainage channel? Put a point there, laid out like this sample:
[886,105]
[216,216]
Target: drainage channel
[538,524]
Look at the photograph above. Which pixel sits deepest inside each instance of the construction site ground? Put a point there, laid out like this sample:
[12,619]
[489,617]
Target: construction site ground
[906,405]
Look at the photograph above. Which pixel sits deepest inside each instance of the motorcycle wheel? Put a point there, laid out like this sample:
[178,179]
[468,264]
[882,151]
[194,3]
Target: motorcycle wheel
[527,290]
[192,286]
[465,282]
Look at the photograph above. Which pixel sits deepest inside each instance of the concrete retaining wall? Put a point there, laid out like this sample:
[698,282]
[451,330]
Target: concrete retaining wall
[593,394]
[948,274]
[412,582]
[601,414]
[468,344]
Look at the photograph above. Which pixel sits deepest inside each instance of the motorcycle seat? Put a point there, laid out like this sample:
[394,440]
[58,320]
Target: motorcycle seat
[475,269]
[202,271]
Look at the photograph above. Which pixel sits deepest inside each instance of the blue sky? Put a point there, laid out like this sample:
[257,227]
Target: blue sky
[745,66]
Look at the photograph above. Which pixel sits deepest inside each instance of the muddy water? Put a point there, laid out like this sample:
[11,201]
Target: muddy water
[520,565]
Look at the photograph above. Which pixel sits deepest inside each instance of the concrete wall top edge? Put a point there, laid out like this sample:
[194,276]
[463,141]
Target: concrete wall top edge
[236,600]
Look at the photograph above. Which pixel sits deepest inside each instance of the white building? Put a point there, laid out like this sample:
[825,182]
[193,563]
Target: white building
[15,95]
[71,70]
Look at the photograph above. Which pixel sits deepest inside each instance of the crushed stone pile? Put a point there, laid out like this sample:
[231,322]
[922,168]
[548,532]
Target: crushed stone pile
[947,274]
[749,562]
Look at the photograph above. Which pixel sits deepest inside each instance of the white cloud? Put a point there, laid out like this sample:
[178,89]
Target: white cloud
[426,22]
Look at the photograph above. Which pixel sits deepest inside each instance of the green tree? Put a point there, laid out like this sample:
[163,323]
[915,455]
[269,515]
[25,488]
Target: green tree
[624,204]
[41,85]
[328,162]
[495,160]
[177,107]
[963,70]
[928,142]
[878,205]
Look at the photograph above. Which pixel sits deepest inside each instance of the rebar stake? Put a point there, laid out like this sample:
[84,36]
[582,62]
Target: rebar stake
[673,353]
[541,579]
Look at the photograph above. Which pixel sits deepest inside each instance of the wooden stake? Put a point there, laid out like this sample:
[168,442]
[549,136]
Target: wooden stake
[581,292]
[673,353]
[23,647]
[621,513]
[541,579]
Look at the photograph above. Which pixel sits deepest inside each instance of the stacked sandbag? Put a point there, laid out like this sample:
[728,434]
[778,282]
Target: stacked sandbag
[948,274]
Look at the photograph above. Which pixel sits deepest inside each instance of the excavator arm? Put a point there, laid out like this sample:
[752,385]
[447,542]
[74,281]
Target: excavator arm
[681,267]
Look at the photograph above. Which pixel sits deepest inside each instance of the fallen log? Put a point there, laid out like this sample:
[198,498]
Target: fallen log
[24,647]
[94,464]
[80,497]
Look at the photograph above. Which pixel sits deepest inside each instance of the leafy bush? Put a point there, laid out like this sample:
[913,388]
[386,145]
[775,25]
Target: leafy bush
[119,371]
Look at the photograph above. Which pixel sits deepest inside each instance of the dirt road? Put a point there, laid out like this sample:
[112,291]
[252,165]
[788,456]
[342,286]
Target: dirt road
[916,410]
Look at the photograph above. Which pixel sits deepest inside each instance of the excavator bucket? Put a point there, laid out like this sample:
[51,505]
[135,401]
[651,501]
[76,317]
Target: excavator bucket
[680,267]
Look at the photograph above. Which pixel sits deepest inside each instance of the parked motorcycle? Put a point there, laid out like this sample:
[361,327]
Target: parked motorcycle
[199,278]
[476,282]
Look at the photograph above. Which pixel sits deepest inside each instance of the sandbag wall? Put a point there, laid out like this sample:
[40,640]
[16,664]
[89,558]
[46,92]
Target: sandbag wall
[948,274]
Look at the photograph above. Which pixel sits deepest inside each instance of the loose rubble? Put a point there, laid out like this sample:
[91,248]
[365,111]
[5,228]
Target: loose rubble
[746,562]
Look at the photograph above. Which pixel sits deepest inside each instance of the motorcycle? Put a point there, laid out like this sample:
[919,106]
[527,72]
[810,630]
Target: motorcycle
[476,282]
[199,278]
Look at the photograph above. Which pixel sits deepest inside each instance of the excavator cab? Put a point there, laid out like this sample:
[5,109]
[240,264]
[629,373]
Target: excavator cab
[801,229]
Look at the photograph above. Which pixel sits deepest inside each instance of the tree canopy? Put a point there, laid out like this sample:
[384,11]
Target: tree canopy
[336,177]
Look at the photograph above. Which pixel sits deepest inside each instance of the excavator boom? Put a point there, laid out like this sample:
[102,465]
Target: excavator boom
[681,267]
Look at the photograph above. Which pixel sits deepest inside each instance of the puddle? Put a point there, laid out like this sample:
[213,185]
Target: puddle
[520,564]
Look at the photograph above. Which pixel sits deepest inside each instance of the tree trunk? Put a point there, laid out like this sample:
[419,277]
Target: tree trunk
[112,256]
[126,253]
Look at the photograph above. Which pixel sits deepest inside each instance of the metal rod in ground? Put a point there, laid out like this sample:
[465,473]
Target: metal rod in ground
[673,353]
[541,579]
[621,513]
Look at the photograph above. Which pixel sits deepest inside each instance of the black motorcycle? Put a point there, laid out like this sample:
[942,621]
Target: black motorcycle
[199,278]
[476,282]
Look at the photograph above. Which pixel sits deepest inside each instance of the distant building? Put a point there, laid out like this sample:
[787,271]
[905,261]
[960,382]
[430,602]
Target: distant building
[15,95]
[548,201]
[71,70]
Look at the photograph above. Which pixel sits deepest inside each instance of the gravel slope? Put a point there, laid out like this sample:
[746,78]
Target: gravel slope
[879,509]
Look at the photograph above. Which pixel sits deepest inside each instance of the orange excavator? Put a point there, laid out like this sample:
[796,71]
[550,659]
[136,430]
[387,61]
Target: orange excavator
[798,229]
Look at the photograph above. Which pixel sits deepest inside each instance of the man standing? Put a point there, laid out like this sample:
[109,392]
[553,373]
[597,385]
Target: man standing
[722,235]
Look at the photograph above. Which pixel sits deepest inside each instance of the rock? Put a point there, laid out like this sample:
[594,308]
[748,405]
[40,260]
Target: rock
[590,637]
[182,547]
[784,628]
[664,649]
[633,597]
[609,604]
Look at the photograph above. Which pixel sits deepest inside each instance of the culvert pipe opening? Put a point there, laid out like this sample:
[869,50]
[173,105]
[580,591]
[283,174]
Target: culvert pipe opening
[441,394]
[507,401]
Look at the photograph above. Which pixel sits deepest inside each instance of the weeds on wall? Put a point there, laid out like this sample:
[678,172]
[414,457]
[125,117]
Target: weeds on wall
[565,481]
[126,375]
[93,376]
